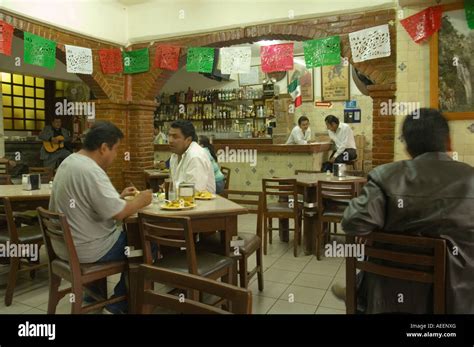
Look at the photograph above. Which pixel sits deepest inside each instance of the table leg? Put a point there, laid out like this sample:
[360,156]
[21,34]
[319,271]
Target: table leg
[133,240]
[231,230]
[310,218]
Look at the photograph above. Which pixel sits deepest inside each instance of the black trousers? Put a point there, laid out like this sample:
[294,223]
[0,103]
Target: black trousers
[349,154]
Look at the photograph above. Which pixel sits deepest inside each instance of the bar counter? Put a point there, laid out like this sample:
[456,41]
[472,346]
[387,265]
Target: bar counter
[251,162]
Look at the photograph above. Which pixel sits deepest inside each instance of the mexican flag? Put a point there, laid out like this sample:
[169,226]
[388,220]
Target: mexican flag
[294,89]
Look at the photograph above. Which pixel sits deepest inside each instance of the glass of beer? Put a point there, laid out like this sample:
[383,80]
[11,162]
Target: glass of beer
[186,192]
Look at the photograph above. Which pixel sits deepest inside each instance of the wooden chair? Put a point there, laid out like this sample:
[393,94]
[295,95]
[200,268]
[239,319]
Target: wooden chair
[333,198]
[46,173]
[283,188]
[5,179]
[226,172]
[357,173]
[4,166]
[175,234]
[64,264]
[25,237]
[252,241]
[381,246]
[297,172]
[240,299]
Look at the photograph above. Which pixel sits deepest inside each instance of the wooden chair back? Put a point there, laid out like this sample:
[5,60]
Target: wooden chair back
[174,232]
[334,191]
[284,188]
[240,299]
[4,166]
[58,239]
[5,179]
[397,263]
[6,216]
[252,200]
[226,172]
[297,172]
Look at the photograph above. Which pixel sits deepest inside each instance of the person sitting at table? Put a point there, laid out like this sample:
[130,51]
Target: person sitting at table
[220,179]
[343,137]
[301,133]
[189,162]
[54,139]
[83,192]
[437,193]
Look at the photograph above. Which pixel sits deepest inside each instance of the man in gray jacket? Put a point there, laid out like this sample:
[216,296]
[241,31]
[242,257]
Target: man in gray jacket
[54,137]
[431,195]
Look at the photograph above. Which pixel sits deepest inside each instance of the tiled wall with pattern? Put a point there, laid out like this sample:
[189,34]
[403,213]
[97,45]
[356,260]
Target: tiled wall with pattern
[268,165]
[413,85]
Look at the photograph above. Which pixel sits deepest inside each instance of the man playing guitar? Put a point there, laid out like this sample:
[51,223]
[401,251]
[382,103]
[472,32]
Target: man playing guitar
[53,151]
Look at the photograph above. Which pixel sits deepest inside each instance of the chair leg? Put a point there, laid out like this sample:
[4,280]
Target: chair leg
[265,234]
[77,304]
[12,276]
[243,274]
[270,230]
[54,283]
[260,268]
[296,241]
[318,238]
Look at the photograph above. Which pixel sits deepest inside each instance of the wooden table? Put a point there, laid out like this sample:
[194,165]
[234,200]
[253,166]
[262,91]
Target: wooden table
[209,216]
[155,178]
[308,185]
[23,200]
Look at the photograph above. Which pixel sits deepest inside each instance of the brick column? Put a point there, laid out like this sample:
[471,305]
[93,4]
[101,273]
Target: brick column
[383,150]
[140,141]
[115,112]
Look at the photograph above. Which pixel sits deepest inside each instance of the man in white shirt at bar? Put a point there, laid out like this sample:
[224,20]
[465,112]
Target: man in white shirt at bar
[189,162]
[301,134]
[343,137]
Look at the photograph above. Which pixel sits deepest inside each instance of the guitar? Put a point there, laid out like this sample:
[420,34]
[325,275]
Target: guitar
[52,147]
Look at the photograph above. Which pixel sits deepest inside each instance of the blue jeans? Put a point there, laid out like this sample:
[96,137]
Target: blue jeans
[220,186]
[116,253]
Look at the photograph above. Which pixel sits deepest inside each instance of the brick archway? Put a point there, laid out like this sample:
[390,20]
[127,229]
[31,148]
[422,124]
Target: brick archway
[382,72]
[129,100]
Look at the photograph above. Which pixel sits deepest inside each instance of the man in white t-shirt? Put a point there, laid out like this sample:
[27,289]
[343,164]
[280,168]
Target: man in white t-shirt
[189,162]
[301,134]
[83,192]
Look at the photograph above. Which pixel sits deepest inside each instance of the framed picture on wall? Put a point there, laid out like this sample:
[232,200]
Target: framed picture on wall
[254,77]
[335,83]
[305,76]
[452,66]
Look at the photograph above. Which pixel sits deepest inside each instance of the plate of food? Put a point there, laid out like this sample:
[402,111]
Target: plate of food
[204,196]
[177,205]
[131,197]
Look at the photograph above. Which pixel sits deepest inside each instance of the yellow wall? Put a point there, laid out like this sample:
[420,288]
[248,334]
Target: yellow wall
[413,84]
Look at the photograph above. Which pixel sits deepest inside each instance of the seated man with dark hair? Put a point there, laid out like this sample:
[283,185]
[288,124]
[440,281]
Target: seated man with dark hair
[342,136]
[189,162]
[55,138]
[437,193]
[301,133]
[83,192]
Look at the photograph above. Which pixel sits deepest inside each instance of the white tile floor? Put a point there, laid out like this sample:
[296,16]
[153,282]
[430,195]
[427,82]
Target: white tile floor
[292,285]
